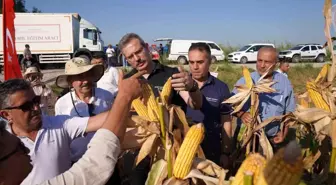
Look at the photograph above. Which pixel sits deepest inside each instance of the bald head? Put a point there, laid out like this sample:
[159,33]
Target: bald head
[267,57]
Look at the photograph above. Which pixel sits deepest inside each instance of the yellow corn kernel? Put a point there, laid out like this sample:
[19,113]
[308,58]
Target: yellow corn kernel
[322,76]
[166,91]
[151,115]
[149,97]
[255,164]
[188,150]
[247,77]
[283,169]
[316,96]
[140,108]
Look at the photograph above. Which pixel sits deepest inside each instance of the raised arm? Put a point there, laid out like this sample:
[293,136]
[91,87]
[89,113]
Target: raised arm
[97,164]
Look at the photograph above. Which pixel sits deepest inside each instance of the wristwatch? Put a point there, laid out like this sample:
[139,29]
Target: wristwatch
[194,87]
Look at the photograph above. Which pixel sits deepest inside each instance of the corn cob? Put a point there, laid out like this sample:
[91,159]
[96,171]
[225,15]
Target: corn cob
[323,74]
[140,108]
[285,168]
[149,97]
[255,164]
[316,96]
[188,151]
[166,91]
[247,77]
[151,115]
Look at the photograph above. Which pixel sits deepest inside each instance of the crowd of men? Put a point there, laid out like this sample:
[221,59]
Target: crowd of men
[80,144]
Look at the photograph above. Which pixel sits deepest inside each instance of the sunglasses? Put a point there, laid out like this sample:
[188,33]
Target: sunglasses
[27,106]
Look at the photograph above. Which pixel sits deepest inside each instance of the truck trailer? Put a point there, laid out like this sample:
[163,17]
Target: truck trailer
[54,37]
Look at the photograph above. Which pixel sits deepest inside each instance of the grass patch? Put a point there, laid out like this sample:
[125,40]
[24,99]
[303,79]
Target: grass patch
[298,75]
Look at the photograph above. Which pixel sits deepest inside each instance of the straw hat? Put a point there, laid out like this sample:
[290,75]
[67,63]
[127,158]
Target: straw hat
[76,66]
[31,70]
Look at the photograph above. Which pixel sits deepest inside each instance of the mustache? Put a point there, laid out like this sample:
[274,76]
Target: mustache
[86,85]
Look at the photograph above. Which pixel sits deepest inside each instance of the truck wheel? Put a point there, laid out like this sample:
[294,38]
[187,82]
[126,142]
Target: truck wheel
[213,59]
[320,58]
[296,58]
[243,60]
[182,60]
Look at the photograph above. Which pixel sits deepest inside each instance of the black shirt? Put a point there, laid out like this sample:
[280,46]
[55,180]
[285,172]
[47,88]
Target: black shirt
[158,78]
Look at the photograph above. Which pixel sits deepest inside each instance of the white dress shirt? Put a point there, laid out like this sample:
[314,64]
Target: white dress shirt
[110,52]
[50,151]
[97,164]
[102,102]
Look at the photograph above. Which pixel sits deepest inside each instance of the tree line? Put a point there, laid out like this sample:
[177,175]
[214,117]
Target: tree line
[20,6]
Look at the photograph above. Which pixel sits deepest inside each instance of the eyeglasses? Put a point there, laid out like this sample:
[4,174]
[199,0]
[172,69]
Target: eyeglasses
[27,106]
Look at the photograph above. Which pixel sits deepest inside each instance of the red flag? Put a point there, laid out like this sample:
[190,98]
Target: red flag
[11,63]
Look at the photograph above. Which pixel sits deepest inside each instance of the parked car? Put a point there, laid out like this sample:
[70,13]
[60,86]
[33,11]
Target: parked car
[247,53]
[304,52]
[178,49]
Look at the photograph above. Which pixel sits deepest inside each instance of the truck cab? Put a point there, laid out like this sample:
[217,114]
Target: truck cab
[90,37]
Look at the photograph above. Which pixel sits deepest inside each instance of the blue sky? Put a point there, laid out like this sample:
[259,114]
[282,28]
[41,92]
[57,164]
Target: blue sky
[227,22]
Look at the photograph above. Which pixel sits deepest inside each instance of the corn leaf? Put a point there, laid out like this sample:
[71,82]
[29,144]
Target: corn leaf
[157,173]
[146,148]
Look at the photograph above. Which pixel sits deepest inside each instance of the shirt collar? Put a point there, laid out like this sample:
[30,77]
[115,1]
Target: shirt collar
[76,98]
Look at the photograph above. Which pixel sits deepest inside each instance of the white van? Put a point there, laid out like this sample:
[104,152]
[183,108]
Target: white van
[247,53]
[178,50]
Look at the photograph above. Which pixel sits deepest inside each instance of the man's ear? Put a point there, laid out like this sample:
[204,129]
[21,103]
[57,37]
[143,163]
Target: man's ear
[5,115]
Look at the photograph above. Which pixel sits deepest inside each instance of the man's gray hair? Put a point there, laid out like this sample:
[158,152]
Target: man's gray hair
[127,38]
[9,87]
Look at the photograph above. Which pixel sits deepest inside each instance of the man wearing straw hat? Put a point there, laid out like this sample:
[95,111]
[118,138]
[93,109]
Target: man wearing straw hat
[84,99]
[34,76]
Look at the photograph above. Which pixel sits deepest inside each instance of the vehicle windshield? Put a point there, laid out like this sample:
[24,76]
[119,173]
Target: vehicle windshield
[296,48]
[244,48]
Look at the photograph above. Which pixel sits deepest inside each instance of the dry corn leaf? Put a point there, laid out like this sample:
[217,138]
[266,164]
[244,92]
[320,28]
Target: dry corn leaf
[208,167]
[157,173]
[239,97]
[242,88]
[152,127]
[132,140]
[265,145]
[240,106]
[146,148]
[194,173]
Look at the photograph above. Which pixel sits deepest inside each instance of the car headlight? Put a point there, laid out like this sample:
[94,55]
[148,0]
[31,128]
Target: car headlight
[237,54]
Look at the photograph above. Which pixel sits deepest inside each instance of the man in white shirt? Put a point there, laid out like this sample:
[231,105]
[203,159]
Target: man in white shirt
[109,81]
[284,68]
[110,54]
[84,99]
[98,163]
[47,137]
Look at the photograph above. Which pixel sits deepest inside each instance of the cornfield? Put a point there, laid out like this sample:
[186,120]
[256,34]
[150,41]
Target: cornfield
[161,131]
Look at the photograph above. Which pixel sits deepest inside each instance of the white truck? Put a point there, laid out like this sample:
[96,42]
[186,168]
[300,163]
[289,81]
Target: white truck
[54,37]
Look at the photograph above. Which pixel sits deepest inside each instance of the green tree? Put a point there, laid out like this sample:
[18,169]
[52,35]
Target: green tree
[20,6]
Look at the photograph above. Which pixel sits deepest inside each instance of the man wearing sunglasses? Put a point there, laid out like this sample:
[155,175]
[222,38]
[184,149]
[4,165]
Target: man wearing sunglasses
[98,163]
[47,137]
